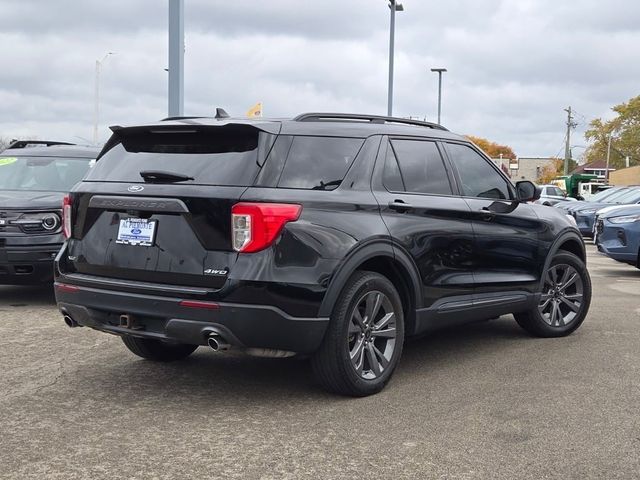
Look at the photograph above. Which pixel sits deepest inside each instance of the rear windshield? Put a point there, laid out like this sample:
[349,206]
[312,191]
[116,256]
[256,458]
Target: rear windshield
[220,156]
[48,174]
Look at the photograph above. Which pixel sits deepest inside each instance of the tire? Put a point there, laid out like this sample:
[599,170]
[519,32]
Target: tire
[157,350]
[375,344]
[544,320]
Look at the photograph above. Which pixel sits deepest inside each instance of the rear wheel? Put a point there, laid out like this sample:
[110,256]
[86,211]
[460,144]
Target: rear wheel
[158,350]
[565,299]
[364,340]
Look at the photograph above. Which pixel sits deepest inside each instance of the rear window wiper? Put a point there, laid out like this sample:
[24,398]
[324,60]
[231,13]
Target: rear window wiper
[158,176]
[333,184]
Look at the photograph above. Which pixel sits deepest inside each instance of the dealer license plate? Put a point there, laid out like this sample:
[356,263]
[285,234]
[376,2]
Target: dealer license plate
[137,231]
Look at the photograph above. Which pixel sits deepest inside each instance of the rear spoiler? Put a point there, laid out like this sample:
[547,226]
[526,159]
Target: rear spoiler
[186,127]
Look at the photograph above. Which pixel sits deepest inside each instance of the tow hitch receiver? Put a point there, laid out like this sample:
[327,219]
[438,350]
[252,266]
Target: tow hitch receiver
[128,321]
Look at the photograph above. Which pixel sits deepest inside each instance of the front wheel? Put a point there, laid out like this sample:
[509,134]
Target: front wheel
[157,349]
[364,339]
[564,301]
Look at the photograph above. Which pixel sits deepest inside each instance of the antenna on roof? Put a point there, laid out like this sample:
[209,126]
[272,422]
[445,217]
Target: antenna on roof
[221,113]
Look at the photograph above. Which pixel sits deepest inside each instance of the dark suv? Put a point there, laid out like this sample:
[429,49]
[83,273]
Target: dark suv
[33,182]
[336,236]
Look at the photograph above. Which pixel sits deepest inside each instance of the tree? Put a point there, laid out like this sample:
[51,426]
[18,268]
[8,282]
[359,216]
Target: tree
[625,135]
[493,149]
[551,171]
[4,143]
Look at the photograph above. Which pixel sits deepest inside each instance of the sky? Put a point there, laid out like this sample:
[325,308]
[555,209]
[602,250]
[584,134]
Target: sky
[513,65]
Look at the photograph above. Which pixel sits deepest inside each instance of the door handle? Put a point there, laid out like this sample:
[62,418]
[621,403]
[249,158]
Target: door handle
[399,205]
[487,215]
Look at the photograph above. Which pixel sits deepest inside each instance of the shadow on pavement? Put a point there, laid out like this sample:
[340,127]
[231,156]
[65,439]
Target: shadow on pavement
[27,296]
[224,378]
[627,272]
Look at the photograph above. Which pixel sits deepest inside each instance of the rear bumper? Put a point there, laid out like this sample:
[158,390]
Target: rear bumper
[26,265]
[164,318]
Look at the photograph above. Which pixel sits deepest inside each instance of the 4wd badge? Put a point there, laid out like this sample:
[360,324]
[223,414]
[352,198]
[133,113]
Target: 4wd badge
[213,271]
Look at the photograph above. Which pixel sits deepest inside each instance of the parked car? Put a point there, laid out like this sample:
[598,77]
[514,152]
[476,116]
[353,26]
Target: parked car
[551,195]
[600,197]
[332,235]
[618,234]
[585,215]
[33,182]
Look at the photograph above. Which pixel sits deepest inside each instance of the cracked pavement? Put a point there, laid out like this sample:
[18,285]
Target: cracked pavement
[481,401]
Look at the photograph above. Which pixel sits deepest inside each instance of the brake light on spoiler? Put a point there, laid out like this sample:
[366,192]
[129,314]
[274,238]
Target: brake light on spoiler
[255,226]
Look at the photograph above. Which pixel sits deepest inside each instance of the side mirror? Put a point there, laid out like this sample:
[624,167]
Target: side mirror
[526,191]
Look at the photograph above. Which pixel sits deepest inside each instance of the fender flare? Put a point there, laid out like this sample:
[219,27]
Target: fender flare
[555,246]
[378,248]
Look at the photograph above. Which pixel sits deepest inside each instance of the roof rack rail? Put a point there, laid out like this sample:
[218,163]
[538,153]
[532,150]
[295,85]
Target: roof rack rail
[27,143]
[327,117]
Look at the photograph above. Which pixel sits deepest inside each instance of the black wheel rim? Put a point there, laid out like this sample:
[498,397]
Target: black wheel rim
[372,335]
[562,295]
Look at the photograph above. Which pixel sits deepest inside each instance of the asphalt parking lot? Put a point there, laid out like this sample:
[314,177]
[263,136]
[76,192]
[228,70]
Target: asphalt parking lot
[483,401]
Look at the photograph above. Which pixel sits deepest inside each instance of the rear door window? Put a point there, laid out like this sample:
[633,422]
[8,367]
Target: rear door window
[318,163]
[416,166]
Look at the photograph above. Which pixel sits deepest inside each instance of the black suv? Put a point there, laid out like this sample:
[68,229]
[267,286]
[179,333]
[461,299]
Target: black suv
[34,177]
[332,235]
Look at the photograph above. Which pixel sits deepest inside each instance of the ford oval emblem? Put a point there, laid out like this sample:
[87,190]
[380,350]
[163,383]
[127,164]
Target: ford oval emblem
[135,188]
[136,231]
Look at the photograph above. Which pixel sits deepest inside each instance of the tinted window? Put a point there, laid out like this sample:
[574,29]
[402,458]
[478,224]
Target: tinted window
[392,179]
[478,177]
[51,174]
[421,167]
[221,156]
[318,163]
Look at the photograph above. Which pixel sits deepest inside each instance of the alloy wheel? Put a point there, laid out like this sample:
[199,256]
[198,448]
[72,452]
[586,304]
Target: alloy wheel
[562,295]
[372,335]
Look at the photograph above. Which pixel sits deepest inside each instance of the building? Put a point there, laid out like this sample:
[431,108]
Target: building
[598,168]
[625,176]
[525,168]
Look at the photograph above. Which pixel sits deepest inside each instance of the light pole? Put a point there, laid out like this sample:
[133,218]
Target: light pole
[176,58]
[394,6]
[96,99]
[440,71]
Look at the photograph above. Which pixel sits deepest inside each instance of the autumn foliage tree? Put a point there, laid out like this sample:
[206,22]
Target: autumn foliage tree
[551,171]
[494,150]
[625,135]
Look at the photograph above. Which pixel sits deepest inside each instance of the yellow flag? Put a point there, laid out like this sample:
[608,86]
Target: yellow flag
[255,111]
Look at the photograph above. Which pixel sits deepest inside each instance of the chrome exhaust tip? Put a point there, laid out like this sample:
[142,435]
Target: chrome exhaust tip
[217,343]
[70,322]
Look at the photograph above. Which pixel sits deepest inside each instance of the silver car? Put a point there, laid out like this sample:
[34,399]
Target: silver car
[552,195]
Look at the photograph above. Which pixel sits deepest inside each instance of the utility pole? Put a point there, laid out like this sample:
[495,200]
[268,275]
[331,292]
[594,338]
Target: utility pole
[567,149]
[176,58]
[608,157]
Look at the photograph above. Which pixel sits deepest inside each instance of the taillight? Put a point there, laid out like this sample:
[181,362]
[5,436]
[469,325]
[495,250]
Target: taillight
[254,226]
[66,215]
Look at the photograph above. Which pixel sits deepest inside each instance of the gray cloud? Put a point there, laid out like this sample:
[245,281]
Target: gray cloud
[513,65]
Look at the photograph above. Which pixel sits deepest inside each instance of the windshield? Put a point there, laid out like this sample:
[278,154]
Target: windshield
[605,194]
[630,196]
[49,174]
[615,196]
